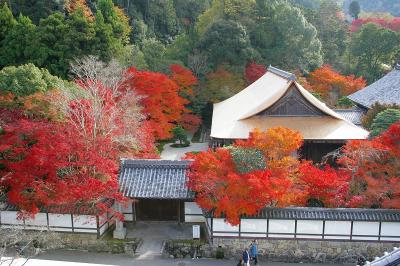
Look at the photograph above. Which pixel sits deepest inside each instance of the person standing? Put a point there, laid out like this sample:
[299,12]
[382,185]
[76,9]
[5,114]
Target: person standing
[253,251]
[246,257]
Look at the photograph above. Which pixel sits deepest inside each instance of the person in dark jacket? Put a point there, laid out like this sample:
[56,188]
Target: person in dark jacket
[246,257]
[253,251]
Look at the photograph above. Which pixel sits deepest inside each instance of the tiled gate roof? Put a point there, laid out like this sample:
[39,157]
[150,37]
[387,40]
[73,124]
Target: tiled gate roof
[154,179]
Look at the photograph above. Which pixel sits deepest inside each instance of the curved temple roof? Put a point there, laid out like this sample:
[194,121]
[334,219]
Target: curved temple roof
[238,115]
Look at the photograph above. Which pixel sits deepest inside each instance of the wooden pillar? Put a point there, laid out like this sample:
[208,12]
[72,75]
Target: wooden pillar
[134,211]
[179,212]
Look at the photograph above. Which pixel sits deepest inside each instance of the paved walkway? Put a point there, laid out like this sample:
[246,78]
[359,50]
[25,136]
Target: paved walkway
[103,259]
[154,234]
[170,153]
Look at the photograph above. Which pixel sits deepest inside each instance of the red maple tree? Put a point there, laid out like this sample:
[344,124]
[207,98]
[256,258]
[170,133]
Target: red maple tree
[326,187]
[48,164]
[161,101]
[392,24]
[254,71]
[375,168]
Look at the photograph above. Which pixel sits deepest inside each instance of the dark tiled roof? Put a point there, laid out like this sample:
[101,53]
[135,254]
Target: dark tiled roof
[307,213]
[155,179]
[353,115]
[385,90]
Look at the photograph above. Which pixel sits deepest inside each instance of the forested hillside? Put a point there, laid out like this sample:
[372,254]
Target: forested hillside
[218,40]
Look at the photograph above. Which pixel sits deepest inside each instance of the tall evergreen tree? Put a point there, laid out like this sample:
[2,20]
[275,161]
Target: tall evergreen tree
[354,9]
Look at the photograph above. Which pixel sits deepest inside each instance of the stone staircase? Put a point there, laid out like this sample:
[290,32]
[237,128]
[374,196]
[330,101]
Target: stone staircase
[150,249]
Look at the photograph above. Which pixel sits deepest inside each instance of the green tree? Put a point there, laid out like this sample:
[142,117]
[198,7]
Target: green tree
[51,45]
[354,9]
[160,18]
[154,52]
[332,30]
[80,35]
[375,109]
[384,120]
[26,80]
[227,42]
[369,54]
[37,9]
[7,21]
[179,133]
[16,48]
[115,17]
[285,38]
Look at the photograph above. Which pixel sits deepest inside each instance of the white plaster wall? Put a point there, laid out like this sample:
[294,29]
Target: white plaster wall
[365,228]
[281,226]
[194,219]
[103,229]
[253,226]
[338,227]
[221,225]
[60,220]
[10,217]
[309,227]
[192,208]
[85,221]
[40,219]
[390,229]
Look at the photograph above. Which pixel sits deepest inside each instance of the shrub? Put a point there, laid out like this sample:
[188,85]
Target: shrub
[384,120]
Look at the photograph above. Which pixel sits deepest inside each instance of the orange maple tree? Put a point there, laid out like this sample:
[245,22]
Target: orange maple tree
[331,85]
[186,80]
[73,5]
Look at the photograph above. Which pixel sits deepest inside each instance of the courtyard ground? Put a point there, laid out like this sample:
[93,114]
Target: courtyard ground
[171,153]
[104,259]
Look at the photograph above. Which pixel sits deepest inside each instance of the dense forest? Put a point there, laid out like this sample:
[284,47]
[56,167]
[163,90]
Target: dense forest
[226,44]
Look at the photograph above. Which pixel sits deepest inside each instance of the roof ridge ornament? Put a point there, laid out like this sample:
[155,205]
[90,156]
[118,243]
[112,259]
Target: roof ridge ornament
[287,75]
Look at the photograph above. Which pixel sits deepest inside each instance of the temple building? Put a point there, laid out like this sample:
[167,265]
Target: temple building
[385,91]
[276,99]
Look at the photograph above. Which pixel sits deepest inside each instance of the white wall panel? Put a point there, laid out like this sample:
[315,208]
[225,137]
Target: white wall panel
[10,217]
[194,219]
[337,228]
[62,220]
[84,221]
[390,229]
[192,208]
[221,225]
[254,225]
[103,229]
[366,228]
[281,226]
[40,219]
[309,227]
